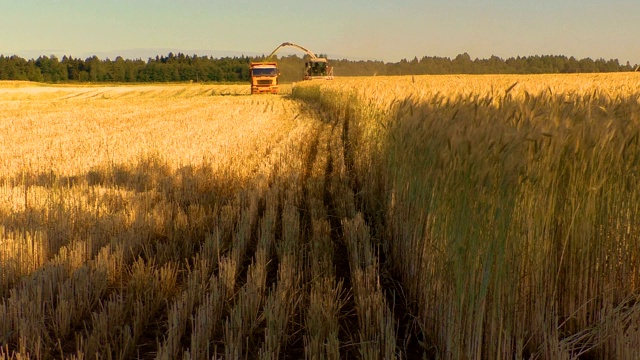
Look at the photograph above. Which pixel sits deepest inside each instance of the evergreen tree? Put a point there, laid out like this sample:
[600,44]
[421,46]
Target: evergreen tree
[181,67]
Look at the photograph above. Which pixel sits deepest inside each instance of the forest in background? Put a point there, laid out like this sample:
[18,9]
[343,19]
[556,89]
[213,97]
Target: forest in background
[193,68]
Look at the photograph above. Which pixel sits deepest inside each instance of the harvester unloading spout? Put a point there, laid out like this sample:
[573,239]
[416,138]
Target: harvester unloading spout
[315,68]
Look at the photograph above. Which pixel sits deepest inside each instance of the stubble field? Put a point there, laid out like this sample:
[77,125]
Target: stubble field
[434,216]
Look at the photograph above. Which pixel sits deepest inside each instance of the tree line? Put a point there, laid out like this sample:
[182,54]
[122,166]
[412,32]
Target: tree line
[180,67]
[172,68]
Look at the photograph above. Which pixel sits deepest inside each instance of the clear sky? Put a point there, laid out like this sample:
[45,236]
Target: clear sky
[358,29]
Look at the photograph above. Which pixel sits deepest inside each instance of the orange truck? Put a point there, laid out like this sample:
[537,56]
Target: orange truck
[264,77]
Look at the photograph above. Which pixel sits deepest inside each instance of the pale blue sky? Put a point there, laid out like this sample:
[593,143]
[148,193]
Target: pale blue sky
[361,29]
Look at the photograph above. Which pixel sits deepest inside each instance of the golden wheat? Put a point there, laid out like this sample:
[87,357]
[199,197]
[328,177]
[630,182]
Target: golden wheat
[429,216]
[507,204]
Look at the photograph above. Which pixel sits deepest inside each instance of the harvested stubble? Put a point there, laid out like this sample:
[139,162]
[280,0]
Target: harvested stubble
[321,321]
[119,202]
[376,322]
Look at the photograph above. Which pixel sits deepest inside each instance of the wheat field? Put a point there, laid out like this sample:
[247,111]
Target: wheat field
[456,217]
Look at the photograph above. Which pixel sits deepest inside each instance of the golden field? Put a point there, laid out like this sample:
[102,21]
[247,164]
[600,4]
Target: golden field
[507,206]
[458,217]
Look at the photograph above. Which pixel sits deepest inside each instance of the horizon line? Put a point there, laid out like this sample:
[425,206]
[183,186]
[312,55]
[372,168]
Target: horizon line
[219,54]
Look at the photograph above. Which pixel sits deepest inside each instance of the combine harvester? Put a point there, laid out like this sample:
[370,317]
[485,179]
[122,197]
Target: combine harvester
[264,74]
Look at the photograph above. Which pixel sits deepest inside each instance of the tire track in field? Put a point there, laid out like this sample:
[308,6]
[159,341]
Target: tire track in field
[322,208]
[342,199]
[348,318]
[409,335]
[410,338]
